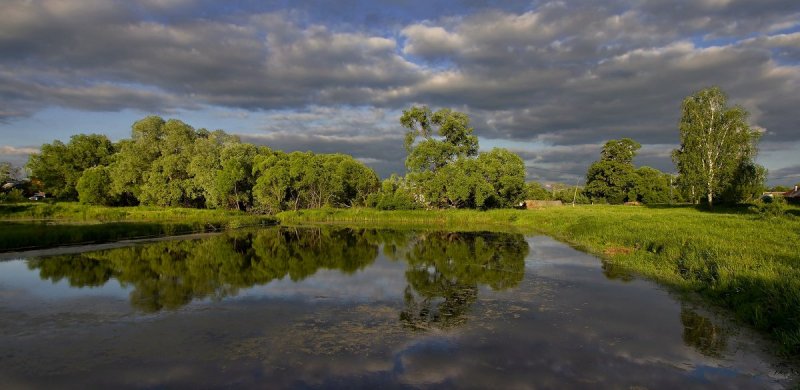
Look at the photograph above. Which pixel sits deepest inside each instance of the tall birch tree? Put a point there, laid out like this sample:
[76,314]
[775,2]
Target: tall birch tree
[715,141]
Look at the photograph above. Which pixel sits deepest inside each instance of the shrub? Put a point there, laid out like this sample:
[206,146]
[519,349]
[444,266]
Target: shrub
[13,196]
[769,207]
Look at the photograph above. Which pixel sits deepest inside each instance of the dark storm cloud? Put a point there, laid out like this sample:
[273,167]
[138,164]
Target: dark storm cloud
[573,76]
[786,176]
[265,61]
[566,74]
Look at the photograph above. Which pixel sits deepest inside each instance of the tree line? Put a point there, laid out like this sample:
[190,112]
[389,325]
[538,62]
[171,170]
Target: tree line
[169,163]
[714,163]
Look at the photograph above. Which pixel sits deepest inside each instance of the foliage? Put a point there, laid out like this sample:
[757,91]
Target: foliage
[779,188]
[393,195]
[717,144]
[746,185]
[452,138]
[94,187]
[169,163]
[612,178]
[445,169]
[307,180]
[651,186]
[59,165]
[770,207]
[505,172]
[15,195]
[536,191]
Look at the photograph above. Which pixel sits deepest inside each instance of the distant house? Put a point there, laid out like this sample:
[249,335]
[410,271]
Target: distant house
[792,195]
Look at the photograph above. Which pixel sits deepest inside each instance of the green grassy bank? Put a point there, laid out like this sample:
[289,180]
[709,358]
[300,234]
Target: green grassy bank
[733,258]
[76,212]
[41,225]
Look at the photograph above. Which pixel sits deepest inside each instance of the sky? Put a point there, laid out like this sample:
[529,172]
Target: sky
[551,81]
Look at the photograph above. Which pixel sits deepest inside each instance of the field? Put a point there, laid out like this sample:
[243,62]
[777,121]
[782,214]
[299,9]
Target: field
[733,258]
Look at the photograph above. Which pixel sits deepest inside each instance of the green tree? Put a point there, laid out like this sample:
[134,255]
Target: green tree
[234,180]
[168,182]
[94,187]
[651,186]
[393,195]
[135,157]
[435,139]
[205,164]
[536,191]
[716,141]
[307,180]
[747,183]
[612,177]
[59,166]
[505,172]
[445,169]
[274,183]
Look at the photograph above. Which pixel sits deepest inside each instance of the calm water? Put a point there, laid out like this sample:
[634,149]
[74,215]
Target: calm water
[341,308]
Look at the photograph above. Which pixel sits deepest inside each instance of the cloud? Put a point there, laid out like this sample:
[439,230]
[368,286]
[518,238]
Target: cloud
[558,73]
[787,176]
[17,156]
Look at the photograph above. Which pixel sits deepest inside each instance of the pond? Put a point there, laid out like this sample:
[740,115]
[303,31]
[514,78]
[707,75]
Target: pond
[346,308]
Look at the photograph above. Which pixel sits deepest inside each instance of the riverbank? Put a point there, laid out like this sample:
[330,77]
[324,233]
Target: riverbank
[26,226]
[733,258]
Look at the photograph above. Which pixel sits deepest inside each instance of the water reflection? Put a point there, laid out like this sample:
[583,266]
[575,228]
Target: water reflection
[445,269]
[171,274]
[702,334]
[356,308]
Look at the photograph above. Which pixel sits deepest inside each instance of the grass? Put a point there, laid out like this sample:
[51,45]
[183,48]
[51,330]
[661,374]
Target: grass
[731,257]
[41,225]
[76,212]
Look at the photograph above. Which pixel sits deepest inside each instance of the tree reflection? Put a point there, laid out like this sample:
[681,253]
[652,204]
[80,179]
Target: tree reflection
[445,270]
[702,334]
[170,274]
